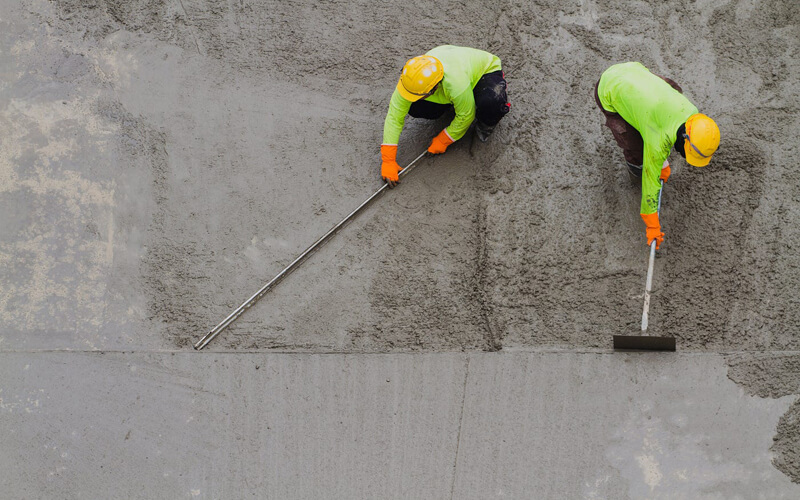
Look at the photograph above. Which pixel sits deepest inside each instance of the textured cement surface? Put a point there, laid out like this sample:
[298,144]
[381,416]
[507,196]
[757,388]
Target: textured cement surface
[161,160]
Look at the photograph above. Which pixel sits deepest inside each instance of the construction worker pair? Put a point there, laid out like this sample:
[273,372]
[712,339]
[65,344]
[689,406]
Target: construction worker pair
[647,114]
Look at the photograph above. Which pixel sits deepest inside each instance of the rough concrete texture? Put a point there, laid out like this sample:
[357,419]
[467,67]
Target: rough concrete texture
[161,160]
[210,143]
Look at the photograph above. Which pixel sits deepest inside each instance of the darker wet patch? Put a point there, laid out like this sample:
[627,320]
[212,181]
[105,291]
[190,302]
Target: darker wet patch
[427,298]
[774,376]
[101,17]
[766,375]
[707,217]
[177,284]
[433,289]
[493,334]
[786,446]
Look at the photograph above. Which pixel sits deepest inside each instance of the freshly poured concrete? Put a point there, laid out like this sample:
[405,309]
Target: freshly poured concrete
[161,160]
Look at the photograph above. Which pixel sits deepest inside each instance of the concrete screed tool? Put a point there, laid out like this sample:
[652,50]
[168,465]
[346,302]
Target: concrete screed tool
[208,337]
[646,342]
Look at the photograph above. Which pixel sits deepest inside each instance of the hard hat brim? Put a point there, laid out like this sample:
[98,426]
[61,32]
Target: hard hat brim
[405,94]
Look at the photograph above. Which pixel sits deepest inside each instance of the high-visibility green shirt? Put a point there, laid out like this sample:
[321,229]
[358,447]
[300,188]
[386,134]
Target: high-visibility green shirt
[653,108]
[463,67]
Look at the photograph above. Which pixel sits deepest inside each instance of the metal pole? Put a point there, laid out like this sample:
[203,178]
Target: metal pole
[649,281]
[208,337]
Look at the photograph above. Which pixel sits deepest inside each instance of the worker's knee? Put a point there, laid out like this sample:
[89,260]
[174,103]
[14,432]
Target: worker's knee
[491,98]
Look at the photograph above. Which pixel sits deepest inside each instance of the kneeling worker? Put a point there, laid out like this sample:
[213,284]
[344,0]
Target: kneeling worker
[648,115]
[468,80]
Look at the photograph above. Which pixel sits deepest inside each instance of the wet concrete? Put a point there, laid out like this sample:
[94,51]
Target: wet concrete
[160,161]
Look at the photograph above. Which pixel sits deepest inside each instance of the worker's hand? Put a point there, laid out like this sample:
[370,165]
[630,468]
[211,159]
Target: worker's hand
[665,171]
[390,170]
[440,143]
[653,229]
[654,233]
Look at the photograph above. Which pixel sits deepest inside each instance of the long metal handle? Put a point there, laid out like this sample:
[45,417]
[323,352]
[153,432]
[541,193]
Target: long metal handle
[208,337]
[648,285]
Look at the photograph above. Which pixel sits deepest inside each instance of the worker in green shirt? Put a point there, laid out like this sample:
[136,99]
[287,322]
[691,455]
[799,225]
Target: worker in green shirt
[648,116]
[470,81]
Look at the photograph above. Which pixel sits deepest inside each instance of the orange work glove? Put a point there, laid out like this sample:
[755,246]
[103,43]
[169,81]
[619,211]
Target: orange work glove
[665,171]
[440,142]
[653,229]
[389,167]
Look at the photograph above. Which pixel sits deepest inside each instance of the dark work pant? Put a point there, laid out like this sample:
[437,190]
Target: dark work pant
[491,101]
[627,137]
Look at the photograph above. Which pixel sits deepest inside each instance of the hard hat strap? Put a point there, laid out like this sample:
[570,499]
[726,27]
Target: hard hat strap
[686,136]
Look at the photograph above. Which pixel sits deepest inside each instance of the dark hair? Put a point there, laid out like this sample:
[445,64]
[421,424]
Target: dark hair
[679,140]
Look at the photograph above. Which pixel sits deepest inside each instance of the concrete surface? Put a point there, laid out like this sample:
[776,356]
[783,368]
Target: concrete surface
[161,160]
[437,425]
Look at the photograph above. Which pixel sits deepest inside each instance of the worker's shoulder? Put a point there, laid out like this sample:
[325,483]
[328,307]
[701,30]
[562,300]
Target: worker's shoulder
[627,68]
[454,50]
[450,47]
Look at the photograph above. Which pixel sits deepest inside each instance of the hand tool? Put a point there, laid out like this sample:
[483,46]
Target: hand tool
[646,342]
[208,337]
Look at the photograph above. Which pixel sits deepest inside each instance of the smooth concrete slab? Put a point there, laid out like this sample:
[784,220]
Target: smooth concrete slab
[656,426]
[437,426]
[128,425]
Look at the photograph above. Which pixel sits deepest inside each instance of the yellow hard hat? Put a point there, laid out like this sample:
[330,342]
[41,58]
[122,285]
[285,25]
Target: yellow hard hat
[700,140]
[420,75]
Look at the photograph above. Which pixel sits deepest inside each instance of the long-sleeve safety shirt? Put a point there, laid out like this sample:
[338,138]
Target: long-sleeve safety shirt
[653,108]
[463,67]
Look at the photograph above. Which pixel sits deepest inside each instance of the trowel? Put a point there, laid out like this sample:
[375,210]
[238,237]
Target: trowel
[646,342]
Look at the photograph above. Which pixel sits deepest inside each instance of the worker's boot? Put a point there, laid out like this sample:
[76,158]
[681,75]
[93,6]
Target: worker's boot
[635,173]
[483,131]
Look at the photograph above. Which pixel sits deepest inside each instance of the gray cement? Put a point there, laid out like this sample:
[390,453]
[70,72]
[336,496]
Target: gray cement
[343,426]
[161,160]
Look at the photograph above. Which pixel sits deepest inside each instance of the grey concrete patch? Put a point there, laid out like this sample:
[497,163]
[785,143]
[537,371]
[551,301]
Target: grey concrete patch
[568,425]
[127,425]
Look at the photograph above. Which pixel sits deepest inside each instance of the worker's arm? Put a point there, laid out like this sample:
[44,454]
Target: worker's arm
[464,105]
[395,119]
[651,186]
[392,126]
